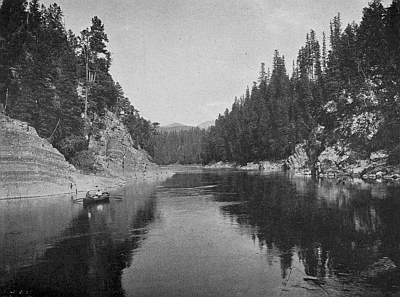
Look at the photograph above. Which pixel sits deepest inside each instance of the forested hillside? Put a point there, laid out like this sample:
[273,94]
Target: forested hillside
[181,147]
[59,82]
[343,91]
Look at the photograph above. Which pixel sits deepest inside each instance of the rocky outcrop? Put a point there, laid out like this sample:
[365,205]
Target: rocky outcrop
[335,162]
[299,159]
[29,165]
[113,152]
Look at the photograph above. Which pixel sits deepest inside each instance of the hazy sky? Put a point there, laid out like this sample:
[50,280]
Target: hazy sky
[186,60]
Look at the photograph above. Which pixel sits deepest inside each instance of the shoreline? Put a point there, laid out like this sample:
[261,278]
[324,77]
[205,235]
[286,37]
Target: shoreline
[81,183]
[86,182]
[366,171]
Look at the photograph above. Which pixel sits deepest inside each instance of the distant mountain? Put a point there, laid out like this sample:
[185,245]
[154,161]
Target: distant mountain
[175,125]
[206,124]
[180,127]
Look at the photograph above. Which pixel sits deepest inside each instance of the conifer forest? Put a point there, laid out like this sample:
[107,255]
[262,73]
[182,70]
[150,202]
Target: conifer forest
[343,90]
[57,81]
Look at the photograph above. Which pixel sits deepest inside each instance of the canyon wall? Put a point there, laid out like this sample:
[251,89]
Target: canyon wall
[113,150]
[29,165]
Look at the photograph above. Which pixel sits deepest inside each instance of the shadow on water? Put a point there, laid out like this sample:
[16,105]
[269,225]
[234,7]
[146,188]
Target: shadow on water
[87,257]
[341,229]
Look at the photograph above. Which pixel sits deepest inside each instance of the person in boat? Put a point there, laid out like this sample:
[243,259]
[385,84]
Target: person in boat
[99,193]
[87,194]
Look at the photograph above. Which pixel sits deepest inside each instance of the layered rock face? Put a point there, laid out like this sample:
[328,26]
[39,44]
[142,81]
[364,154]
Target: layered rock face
[113,150]
[29,165]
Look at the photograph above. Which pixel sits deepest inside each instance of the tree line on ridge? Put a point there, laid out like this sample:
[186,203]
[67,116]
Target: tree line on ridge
[346,96]
[59,82]
[342,91]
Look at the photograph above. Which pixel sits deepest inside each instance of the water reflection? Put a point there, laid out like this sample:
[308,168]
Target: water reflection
[212,233]
[337,227]
[83,251]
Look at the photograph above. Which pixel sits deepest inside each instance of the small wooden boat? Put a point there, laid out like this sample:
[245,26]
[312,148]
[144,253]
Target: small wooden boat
[94,198]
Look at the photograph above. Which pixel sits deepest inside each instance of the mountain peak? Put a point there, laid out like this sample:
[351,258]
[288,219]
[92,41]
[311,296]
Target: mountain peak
[179,127]
[175,124]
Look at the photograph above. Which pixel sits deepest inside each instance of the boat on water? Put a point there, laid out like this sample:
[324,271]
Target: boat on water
[96,198]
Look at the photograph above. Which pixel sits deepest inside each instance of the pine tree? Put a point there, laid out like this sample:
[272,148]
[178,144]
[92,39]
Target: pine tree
[392,39]
[371,39]
[386,73]
[95,63]
[324,53]
[262,80]
[13,34]
[280,141]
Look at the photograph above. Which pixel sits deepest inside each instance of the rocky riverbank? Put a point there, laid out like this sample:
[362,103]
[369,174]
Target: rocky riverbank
[113,158]
[263,165]
[330,164]
[30,166]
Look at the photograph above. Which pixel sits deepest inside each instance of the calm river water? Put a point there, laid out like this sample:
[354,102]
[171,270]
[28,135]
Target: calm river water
[207,233]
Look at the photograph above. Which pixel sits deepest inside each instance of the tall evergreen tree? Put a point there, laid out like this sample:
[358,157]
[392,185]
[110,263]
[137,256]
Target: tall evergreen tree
[386,74]
[13,34]
[371,39]
[99,88]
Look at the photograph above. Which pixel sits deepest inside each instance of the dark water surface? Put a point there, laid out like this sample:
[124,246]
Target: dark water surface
[207,233]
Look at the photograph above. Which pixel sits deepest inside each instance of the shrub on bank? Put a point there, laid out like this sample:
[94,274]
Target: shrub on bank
[84,161]
[71,145]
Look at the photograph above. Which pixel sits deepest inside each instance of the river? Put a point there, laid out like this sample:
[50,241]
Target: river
[207,233]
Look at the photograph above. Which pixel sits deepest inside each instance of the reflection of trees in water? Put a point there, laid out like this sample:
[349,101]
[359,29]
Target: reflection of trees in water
[89,257]
[389,209]
[342,232]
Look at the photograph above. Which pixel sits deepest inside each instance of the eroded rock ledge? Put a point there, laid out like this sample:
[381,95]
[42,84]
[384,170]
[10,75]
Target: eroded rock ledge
[29,165]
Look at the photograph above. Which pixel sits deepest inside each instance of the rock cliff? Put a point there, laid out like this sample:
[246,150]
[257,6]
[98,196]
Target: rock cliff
[113,150]
[29,165]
